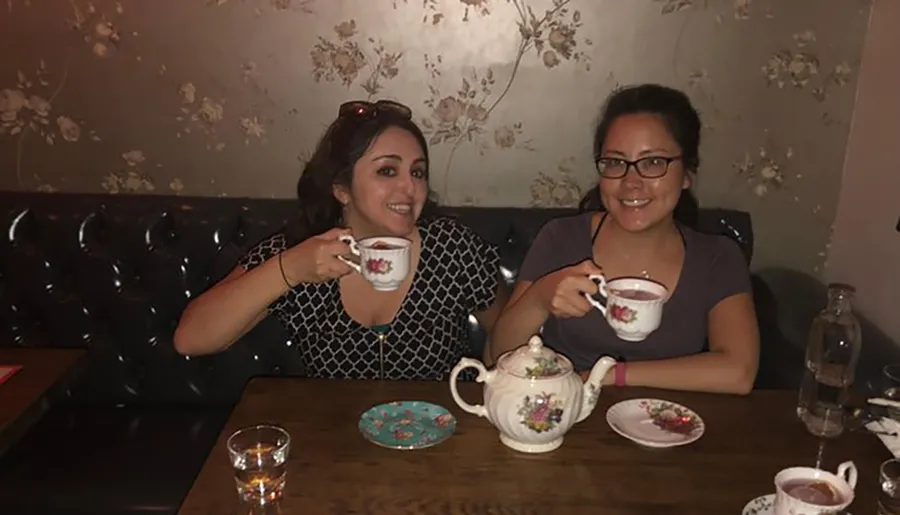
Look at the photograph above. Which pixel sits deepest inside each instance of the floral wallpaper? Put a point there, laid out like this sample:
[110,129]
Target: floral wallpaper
[228,97]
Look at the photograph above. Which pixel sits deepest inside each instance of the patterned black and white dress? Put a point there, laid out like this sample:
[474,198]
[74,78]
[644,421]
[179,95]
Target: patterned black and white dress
[457,275]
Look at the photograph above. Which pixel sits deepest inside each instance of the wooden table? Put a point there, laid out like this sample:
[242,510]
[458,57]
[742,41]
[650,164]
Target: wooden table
[25,396]
[332,469]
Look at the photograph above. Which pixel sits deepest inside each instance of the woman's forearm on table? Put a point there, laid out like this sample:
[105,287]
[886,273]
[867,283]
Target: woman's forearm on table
[713,372]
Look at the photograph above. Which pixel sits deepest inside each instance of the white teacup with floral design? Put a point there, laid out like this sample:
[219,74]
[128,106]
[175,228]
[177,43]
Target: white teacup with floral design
[384,260]
[811,491]
[633,307]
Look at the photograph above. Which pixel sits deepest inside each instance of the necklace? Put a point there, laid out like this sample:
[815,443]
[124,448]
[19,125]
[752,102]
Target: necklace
[644,264]
[644,273]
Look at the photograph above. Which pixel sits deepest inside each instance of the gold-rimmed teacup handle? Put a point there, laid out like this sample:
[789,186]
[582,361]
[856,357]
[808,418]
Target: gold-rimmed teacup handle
[354,248]
[601,283]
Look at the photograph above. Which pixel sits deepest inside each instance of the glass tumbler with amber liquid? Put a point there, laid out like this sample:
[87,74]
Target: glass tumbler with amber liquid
[259,457]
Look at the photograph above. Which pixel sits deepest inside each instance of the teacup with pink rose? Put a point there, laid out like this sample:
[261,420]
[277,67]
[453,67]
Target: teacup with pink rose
[633,307]
[384,260]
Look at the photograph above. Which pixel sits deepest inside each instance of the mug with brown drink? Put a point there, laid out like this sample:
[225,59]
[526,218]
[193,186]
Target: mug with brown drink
[633,305]
[384,260]
[812,491]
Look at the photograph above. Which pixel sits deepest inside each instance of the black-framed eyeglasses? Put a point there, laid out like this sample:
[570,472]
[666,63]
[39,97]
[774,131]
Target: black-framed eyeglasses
[365,109]
[650,167]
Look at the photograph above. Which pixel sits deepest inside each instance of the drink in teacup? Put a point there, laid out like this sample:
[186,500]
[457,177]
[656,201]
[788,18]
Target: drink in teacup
[384,260]
[811,491]
[633,305]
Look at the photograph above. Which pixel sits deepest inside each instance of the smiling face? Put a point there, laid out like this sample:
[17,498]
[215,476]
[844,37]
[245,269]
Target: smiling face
[634,202]
[389,186]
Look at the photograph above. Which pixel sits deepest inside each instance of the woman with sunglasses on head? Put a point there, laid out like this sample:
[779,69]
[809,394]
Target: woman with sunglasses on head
[368,177]
[647,148]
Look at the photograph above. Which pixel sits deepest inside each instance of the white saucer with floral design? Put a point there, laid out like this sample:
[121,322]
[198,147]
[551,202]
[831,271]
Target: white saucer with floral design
[765,505]
[655,422]
[762,505]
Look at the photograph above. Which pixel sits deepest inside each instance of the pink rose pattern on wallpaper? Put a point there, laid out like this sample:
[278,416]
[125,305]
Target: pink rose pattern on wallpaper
[99,29]
[560,189]
[505,90]
[27,108]
[345,60]
[463,117]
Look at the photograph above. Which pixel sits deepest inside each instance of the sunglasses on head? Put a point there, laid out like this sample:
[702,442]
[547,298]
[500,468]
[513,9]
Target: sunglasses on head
[365,110]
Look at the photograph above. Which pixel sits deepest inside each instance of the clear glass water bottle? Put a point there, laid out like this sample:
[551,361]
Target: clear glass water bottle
[832,353]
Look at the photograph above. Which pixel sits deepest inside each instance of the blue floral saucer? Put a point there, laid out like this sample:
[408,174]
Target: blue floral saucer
[407,424]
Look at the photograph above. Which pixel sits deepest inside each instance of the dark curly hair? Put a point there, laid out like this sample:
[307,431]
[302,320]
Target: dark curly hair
[332,163]
[680,118]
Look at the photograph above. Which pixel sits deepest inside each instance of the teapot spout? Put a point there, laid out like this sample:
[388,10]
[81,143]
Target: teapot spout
[593,385]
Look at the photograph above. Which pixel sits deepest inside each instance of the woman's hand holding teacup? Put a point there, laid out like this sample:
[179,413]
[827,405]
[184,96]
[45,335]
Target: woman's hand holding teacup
[316,260]
[562,293]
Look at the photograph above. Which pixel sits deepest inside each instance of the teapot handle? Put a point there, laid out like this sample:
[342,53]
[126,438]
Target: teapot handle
[483,375]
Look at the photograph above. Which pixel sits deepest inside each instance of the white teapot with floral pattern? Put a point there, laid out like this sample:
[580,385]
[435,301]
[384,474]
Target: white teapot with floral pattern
[533,396]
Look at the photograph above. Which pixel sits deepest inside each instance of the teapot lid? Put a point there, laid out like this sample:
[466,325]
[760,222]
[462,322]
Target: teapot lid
[534,361]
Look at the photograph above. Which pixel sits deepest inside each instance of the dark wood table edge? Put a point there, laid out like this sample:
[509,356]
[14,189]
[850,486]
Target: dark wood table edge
[14,431]
[234,405]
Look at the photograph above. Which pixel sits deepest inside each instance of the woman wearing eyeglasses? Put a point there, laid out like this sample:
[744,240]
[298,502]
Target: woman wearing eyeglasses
[367,177]
[646,149]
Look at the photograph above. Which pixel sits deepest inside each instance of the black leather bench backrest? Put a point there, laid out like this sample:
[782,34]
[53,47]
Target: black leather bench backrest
[113,274]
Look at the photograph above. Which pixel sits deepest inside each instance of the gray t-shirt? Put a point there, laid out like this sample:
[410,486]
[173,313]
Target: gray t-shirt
[714,269]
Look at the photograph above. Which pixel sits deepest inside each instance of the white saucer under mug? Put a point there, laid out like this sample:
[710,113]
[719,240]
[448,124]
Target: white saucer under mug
[762,505]
[765,505]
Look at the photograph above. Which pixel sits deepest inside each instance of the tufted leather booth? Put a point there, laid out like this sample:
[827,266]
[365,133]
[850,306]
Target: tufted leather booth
[112,274]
